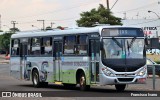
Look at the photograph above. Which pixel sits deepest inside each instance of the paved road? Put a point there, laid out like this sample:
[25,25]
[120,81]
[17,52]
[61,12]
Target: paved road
[7,83]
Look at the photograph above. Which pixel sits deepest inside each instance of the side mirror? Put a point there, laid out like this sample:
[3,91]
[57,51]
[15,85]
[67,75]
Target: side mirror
[146,41]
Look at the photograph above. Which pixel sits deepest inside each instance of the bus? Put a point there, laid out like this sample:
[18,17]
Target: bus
[101,55]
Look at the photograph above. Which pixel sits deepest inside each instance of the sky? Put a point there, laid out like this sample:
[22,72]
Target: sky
[65,12]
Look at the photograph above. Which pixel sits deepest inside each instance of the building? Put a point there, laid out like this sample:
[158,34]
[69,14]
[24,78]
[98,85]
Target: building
[151,27]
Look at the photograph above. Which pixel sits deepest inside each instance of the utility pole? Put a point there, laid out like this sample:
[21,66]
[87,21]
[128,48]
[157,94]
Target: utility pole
[14,23]
[0,22]
[137,15]
[124,15]
[107,2]
[43,24]
[52,24]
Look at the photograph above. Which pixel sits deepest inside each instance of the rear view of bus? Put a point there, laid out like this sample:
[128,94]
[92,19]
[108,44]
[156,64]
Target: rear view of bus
[123,57]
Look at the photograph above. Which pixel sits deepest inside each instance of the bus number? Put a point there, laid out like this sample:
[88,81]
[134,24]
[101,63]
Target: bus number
[123,32]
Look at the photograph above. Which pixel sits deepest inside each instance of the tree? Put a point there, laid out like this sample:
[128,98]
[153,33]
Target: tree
[100,15]
[14,29]
[1,30]
[48,28]
[60,27]
[5,41]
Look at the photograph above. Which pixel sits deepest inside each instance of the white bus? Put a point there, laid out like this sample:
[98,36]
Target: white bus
[103,55]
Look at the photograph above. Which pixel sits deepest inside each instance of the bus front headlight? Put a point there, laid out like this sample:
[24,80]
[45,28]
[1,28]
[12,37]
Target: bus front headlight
[107,72]
[142,72]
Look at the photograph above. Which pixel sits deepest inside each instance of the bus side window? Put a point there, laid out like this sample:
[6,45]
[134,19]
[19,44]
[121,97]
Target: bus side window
[69,44]
[15,47]
[46,48]
[35,46]
[29,46]
[82,45]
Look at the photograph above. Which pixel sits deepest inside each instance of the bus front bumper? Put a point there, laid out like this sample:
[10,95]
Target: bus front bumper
[107,80]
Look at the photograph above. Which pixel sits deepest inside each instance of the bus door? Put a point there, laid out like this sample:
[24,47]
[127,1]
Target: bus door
[94,59]
[23,58]
[57,60]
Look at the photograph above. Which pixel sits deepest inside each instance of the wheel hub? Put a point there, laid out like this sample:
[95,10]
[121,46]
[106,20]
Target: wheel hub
[82,80]
[35,79]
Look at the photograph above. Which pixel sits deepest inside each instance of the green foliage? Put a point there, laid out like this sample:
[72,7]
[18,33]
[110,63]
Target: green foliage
[5,41]
[100,15]
[60,27]
[1,30]
[158,62]
[14,30]
[48,28]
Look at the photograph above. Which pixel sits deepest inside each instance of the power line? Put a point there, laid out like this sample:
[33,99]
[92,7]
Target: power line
[131,10]
[144,22]
[114,4]
[51,12]
[57,20]
[43,23]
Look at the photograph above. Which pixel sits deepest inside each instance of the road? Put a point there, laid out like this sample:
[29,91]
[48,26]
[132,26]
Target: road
[7,83]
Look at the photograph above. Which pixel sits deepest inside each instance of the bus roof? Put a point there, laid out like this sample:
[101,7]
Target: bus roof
[64,32]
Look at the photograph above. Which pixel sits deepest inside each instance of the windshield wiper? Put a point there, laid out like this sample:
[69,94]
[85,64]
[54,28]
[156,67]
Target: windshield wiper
[117,42]
[131,43]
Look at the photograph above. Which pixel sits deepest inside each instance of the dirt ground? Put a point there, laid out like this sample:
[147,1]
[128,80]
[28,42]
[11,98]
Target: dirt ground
[154,57]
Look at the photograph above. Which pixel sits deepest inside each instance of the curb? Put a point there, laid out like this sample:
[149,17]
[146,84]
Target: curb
[4,62]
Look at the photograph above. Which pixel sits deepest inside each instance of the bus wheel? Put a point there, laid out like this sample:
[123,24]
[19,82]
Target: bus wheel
[120,87]
[35,79]
[82,83]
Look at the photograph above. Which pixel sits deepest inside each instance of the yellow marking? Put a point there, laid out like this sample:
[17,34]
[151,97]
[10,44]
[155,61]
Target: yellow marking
[58,83]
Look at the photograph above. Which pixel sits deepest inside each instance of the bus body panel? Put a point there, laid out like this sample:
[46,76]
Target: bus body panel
[15,67]
[71,64]
[45,66]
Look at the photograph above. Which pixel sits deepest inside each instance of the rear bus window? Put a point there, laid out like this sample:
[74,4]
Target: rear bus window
[15,47]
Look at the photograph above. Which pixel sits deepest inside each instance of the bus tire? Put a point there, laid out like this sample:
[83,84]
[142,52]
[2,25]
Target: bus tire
[82,83]
[35,79]
[120,87]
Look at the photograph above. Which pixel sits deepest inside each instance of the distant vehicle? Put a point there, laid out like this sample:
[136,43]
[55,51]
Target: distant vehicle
[157,67]
[7,57]
[2,52]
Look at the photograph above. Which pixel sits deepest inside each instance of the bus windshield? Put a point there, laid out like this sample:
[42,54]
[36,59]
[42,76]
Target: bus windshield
[123,48]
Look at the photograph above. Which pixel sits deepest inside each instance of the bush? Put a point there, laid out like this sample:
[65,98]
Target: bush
[158,62]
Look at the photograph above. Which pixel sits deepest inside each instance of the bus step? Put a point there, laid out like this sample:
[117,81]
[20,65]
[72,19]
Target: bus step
[59,83]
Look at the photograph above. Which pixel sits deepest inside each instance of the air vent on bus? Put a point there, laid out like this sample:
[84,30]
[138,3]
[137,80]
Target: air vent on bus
[125,79]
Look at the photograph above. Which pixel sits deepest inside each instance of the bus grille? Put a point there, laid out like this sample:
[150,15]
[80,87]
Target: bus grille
[123,75]
[125,79]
